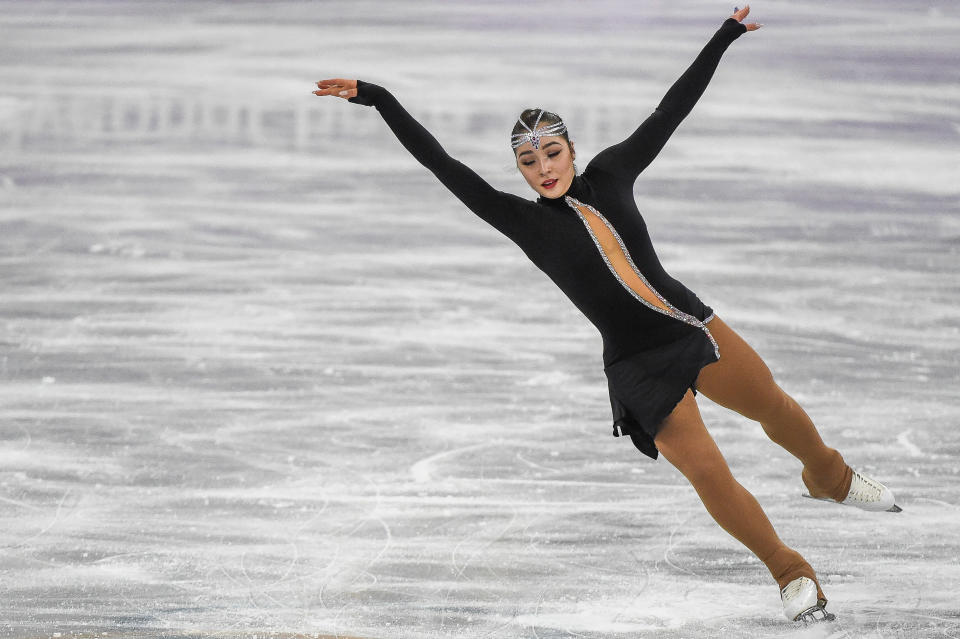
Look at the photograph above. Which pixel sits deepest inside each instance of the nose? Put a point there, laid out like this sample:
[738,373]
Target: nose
[545,165]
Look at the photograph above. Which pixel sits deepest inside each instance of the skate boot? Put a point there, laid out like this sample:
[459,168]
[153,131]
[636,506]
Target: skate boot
[866,493]
[800,602]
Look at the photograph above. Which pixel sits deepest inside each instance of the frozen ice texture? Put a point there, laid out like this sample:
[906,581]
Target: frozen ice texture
[261,373]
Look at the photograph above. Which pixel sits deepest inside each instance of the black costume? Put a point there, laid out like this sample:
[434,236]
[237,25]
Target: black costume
[651,356]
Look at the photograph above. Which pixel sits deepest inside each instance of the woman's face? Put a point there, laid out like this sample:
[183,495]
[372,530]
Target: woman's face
[549,169]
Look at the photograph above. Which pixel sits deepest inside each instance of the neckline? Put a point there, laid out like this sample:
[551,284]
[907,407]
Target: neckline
[576,190]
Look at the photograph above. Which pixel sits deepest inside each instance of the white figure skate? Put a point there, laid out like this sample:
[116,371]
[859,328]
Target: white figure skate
[866,493]
[800,602]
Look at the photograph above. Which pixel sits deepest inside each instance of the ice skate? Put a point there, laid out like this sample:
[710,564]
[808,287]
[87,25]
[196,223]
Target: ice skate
[800,602]
[866,493]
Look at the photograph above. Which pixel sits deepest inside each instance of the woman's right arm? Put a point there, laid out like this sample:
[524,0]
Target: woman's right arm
[492,205]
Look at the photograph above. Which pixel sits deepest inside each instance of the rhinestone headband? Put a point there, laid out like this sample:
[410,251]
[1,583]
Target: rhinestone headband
[533,135]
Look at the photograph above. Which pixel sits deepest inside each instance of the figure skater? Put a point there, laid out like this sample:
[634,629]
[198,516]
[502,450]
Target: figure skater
[661,344]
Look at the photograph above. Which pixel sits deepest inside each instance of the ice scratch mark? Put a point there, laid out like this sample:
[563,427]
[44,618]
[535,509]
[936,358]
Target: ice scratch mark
[460,570]
[938,502]
[670,546]
[22,504]
[904,440]
[537,466]
[421,469]
[536,613]
[637,596]
[57,516]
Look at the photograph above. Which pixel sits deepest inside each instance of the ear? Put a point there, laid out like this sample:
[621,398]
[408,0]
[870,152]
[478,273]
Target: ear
[573,152]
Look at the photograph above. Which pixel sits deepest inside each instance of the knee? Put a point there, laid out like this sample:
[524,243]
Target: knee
[772,402]
[703,470]
[780,404]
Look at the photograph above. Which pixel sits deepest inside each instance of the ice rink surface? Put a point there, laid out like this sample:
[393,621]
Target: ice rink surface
[263,376]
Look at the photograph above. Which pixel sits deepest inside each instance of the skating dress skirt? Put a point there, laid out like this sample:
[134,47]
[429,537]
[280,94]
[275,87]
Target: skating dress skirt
[592,242]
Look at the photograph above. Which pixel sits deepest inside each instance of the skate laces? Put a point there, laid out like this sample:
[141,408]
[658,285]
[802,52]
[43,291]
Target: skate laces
[792,589]
[864,490]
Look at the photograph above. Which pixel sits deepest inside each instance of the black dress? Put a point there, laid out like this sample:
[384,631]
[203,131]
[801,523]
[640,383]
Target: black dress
[651,355]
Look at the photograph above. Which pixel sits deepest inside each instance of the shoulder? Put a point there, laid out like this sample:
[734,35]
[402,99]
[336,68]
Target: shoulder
[517,217]
[601,178]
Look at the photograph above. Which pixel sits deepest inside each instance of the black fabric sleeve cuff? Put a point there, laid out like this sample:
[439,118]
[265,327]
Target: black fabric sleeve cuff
[367,93]
[731,29]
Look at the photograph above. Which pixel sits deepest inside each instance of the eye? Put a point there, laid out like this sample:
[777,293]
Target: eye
[527,163]
[553,155]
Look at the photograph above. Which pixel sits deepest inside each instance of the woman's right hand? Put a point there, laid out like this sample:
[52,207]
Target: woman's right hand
[338,88]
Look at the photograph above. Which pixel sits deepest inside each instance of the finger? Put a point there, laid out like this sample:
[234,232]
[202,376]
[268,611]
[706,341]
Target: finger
[337,92]
[740,14]
[330,81]
[753,26]
[350,84]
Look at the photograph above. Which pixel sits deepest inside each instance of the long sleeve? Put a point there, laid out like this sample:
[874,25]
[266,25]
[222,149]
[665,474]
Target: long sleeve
[495,207]
[628,158]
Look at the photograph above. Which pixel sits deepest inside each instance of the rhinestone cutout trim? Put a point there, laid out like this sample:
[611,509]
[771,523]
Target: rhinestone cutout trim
[673,311]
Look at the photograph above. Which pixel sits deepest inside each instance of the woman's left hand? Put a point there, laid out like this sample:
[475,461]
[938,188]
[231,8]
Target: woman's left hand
[740,14]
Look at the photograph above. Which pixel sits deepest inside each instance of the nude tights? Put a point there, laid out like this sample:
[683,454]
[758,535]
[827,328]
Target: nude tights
[741,381]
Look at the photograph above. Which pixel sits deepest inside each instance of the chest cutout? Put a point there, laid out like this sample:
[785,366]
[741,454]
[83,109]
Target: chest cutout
[615,257]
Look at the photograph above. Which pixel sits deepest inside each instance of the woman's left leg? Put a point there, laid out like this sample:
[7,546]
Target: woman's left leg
[741,381]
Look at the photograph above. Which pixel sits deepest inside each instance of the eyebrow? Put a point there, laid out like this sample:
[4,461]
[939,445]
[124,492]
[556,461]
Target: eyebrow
[544,146]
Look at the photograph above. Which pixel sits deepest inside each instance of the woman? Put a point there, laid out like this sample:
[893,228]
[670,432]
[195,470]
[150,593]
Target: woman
[661,343]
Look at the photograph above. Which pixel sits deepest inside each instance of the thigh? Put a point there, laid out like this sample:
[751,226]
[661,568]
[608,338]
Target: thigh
[739,380]
[684,441]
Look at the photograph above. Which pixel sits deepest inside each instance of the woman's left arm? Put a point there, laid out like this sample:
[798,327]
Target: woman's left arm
[628,158]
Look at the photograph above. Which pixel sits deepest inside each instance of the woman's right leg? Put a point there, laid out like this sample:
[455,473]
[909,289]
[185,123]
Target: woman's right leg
[684,442]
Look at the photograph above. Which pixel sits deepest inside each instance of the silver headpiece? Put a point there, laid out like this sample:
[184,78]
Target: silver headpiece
[533,135]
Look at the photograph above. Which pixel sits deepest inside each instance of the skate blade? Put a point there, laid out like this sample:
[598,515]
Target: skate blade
[891,509]
[816,614]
